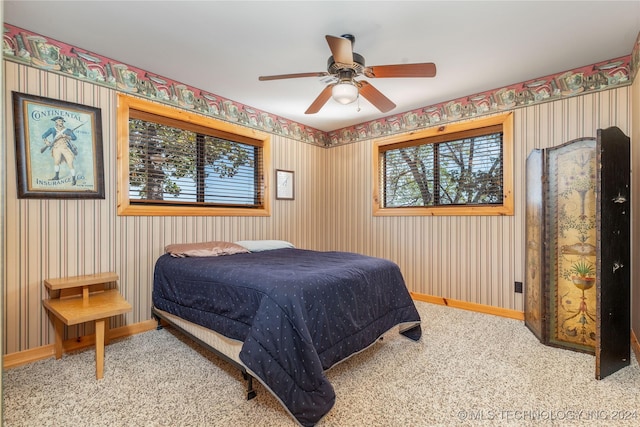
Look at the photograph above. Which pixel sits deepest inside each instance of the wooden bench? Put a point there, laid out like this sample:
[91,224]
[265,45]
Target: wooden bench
[84,299]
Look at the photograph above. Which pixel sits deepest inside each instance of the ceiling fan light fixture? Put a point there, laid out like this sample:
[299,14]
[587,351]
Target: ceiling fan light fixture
[345,92]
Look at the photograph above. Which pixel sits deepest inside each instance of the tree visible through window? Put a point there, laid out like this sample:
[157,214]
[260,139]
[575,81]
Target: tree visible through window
[176,165]
[463,168]
[176,162]
[467,171]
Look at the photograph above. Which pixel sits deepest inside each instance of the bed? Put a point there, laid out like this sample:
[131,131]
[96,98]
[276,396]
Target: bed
[285,315]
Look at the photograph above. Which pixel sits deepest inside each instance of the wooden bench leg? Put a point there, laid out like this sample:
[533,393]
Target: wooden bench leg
[99,348]
[106,332]
[59,326]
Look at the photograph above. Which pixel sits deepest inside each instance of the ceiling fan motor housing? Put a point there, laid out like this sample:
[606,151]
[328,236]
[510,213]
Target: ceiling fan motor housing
[357,66]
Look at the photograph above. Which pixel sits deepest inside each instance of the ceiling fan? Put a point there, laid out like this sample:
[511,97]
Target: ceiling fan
[345,65]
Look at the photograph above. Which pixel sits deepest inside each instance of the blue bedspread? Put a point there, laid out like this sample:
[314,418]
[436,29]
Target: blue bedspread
[298,312]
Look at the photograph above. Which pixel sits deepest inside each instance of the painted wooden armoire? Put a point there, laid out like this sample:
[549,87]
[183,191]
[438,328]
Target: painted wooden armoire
[577,282]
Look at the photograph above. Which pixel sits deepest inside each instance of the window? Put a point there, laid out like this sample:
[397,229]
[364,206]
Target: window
[460,169]
[175,162]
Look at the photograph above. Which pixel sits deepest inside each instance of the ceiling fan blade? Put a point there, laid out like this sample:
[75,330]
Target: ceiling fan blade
[375,97]
[293,76]
[427,69]
[320,100]
[341,49]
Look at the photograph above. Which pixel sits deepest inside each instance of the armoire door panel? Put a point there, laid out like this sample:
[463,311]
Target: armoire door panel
[535,271]
[570,237]
[613,347]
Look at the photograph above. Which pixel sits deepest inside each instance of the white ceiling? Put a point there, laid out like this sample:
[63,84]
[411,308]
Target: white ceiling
[223,46]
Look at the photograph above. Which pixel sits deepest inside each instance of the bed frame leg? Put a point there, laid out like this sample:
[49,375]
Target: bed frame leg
[251,393]
[158,319]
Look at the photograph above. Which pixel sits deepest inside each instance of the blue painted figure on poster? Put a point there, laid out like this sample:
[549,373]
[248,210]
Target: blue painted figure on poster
[62,149]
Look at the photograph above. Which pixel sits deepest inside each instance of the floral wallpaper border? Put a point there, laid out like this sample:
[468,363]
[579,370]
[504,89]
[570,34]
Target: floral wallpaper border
[29,48]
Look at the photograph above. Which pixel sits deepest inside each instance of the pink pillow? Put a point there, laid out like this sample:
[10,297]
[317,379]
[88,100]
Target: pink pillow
[181,250]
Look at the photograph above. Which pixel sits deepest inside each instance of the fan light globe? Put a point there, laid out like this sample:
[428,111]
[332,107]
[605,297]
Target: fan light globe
[344,92]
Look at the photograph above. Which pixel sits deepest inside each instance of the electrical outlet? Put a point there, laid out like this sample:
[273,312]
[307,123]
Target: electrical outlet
[518,287]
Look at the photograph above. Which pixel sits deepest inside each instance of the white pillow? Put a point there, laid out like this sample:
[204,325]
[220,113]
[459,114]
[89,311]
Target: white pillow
[264,245]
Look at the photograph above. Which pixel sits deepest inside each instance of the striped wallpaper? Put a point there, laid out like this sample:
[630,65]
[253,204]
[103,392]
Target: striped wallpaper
[473,259]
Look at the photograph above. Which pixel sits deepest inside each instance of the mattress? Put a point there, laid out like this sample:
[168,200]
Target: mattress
[225,345]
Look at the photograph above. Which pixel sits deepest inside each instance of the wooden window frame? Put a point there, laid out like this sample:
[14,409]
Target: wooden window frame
[441,134]
[140,107]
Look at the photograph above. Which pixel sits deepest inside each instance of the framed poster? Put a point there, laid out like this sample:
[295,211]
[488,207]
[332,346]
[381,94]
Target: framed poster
[58,149]
[284,185]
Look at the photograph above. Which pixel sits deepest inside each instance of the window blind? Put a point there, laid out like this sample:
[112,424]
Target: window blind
[464,171]
[170,165]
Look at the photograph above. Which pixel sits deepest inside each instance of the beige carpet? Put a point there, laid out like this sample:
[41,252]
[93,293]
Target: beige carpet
[468,369]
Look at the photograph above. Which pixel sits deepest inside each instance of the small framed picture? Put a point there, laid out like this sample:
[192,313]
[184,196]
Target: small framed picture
[58,149]
[284,185]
